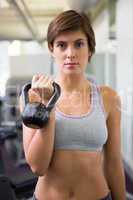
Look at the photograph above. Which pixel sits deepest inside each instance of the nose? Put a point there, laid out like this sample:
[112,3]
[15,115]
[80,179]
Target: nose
[71,53]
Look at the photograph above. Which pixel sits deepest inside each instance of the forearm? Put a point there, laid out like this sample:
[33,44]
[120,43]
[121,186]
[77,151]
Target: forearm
[116,180]
[40,147]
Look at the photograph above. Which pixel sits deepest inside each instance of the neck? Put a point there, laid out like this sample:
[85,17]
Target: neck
[71,83]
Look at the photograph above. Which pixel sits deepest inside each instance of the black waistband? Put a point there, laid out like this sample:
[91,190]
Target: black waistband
[108,197]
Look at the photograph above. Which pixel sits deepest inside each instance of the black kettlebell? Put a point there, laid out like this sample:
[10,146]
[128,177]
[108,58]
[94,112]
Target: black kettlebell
[36,115]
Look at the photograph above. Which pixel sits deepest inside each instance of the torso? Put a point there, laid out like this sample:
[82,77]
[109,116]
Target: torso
[74,175]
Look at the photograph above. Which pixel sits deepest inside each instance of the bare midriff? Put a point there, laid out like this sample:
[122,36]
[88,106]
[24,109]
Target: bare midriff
[73,175]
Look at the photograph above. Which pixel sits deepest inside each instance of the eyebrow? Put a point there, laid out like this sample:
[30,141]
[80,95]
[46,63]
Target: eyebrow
[78,40]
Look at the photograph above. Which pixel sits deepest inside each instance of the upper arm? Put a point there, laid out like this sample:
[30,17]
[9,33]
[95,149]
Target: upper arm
[113,145]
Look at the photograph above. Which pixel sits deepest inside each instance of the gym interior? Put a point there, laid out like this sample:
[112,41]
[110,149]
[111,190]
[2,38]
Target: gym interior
[24,52]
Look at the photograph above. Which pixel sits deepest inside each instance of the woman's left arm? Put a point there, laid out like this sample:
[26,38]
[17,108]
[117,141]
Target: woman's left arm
[113,165]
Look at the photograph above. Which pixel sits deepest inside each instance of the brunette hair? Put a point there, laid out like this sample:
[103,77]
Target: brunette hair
[71,20]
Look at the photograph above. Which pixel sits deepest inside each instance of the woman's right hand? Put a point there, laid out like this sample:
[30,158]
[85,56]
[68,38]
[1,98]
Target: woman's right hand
[41,89]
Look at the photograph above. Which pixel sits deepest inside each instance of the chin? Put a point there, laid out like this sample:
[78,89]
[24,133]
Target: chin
[74,72]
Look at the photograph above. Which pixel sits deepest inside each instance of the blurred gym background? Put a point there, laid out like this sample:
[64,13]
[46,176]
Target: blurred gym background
[24,52]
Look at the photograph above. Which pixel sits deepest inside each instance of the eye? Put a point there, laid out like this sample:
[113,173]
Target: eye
[79,44]
[61,45]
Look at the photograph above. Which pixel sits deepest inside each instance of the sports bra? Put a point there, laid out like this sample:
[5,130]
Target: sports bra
[87,132]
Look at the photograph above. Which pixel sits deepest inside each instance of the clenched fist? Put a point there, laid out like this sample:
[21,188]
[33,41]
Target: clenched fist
[41,88]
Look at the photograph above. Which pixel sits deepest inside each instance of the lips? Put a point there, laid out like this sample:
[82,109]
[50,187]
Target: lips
[71,65]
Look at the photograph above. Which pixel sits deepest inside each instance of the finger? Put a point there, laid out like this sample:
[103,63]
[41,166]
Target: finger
[44,86]
[46,82]
[34,96]
[50,84]
[43,81]
[35,78]
[36,81]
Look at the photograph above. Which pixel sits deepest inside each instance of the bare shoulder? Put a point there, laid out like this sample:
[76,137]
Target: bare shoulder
[108,92]
[111,98]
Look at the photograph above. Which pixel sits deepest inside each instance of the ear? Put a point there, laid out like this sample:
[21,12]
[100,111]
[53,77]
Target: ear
[50,48]
[89,56]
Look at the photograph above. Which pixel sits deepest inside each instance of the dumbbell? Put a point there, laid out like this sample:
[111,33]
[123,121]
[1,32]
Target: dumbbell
[36,115]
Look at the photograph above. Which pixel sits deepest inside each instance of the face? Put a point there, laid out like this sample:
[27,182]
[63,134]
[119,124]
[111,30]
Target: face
[70,51]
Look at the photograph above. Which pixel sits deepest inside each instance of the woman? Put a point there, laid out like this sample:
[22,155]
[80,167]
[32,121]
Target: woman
[77,156]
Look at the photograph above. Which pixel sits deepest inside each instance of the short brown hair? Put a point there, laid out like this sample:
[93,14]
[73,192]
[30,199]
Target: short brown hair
[71,20]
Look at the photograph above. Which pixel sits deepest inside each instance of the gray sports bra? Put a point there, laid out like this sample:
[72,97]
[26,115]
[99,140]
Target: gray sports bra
[87,132]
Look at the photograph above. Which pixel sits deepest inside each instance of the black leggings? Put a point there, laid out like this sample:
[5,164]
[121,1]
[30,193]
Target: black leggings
[108,197]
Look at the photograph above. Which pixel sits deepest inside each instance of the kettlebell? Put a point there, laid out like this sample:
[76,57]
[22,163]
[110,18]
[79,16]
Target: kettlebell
[36,115]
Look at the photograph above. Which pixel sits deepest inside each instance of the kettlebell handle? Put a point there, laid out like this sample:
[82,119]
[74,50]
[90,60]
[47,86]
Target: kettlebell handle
[36,115]
[24,93]
[51,102]
[54,98]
